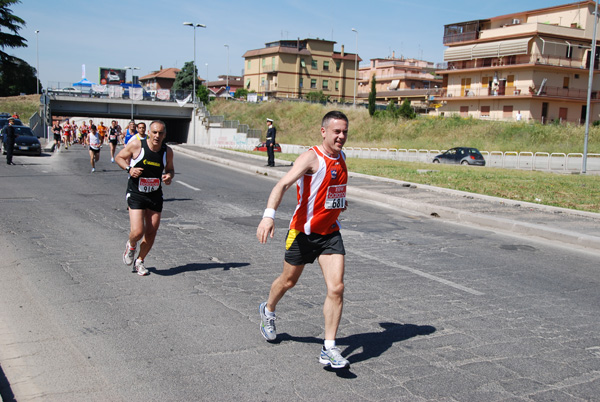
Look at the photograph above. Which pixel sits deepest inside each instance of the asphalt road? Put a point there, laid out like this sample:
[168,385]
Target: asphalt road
[433,310]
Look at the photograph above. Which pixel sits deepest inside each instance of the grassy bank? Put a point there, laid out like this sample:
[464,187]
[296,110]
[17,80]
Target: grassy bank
[297,123]
[25,106]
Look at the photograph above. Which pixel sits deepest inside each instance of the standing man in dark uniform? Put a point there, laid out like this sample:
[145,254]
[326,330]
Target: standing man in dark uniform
[9,133]
[271,132]
[149,163]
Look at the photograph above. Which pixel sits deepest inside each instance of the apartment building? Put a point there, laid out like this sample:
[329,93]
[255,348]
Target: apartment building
[293,68]
[536,62]
[398,79]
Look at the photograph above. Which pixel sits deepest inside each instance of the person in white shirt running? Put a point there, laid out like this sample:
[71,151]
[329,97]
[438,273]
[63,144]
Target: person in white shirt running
[93,140]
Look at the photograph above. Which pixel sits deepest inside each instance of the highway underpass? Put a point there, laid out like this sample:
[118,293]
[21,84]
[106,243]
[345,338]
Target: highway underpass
[176,117]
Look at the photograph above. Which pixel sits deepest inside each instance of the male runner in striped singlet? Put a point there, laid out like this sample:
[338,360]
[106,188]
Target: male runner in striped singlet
[320,175]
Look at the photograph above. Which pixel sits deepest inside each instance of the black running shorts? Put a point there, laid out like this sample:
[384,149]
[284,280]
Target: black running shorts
[152,201]
[301,248]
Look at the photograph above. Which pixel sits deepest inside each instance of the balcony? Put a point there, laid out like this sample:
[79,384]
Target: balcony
[534,59]
[523,92]
[270,69]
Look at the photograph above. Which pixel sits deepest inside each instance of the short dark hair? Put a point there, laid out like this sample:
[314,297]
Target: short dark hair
[334,114]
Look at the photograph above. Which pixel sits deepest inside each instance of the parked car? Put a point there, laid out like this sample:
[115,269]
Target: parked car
[66,90]
[462,156]
[26,142]
[262,147]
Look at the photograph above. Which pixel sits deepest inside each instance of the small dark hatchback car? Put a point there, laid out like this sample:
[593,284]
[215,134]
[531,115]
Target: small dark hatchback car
[461,156]
[26,142]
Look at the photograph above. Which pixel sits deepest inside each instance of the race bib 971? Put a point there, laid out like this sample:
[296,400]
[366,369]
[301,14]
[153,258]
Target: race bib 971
[336,197]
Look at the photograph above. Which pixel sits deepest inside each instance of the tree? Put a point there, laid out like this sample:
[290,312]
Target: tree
[185,78]
[372,96]
[391,109]
[11,23]
[241,93]
[406,110]
[16,76]
[202,94]
[316,96]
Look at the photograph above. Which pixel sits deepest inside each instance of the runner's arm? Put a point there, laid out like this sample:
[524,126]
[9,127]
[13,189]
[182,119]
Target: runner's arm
[306,163]
[123,158]
[167,178]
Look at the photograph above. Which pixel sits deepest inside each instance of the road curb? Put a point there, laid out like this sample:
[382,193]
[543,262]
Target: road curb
[445,213]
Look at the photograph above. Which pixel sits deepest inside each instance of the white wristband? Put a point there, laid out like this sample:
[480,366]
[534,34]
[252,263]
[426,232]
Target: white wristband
[269,213]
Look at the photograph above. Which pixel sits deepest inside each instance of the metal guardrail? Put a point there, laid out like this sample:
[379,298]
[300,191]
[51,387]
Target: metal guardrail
[525,160]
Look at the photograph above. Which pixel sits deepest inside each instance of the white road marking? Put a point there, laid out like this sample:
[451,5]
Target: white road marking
[187,185]
[417,272]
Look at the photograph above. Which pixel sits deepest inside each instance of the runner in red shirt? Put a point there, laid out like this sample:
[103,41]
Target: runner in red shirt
[67,133]
[321,176]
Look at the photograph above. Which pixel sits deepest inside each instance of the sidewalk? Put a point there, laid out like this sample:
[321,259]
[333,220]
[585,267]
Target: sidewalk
[566,226]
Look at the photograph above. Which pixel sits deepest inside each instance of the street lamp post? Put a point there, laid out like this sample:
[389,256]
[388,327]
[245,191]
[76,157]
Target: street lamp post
[206,72]
[355,64]
[37,58]
[131,88]
[589,94]
[194,78]
[227,85]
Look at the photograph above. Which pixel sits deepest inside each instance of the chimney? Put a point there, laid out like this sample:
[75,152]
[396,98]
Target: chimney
[342,50]
[393,54]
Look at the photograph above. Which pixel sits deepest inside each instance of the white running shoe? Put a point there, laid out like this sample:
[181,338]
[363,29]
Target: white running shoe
[140,268]
[129,254]
[333,357]
[93,170]
[267,324]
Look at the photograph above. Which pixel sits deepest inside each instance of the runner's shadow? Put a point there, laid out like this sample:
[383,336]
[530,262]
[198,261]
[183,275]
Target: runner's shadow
[373,344]
[197,267]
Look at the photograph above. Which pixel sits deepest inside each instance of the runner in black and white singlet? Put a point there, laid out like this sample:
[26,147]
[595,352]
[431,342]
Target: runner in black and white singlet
[114,131]
[149,163]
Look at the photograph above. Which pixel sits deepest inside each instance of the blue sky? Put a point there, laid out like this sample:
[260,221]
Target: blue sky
[150,33]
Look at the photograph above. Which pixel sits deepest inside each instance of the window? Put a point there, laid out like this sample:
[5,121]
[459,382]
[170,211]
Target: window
[273,63]
[301,84]
[485,111]
[566,82]
[507,112]
[337,85]
[485,82]
[338,64]
[302,63]
[313,64]
[249,64]
[248,83]
[464,111]
[325,84]
[569,54]
[313,83]
[326,65]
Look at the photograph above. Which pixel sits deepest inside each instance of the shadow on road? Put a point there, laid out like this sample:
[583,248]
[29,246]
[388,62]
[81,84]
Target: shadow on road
[373,344]
[6,393]
[197,267]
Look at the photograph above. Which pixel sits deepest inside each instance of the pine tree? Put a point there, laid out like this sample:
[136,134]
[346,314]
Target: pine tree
[16,75]
[372,96]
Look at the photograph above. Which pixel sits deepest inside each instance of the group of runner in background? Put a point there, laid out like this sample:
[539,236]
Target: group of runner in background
[94,137]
